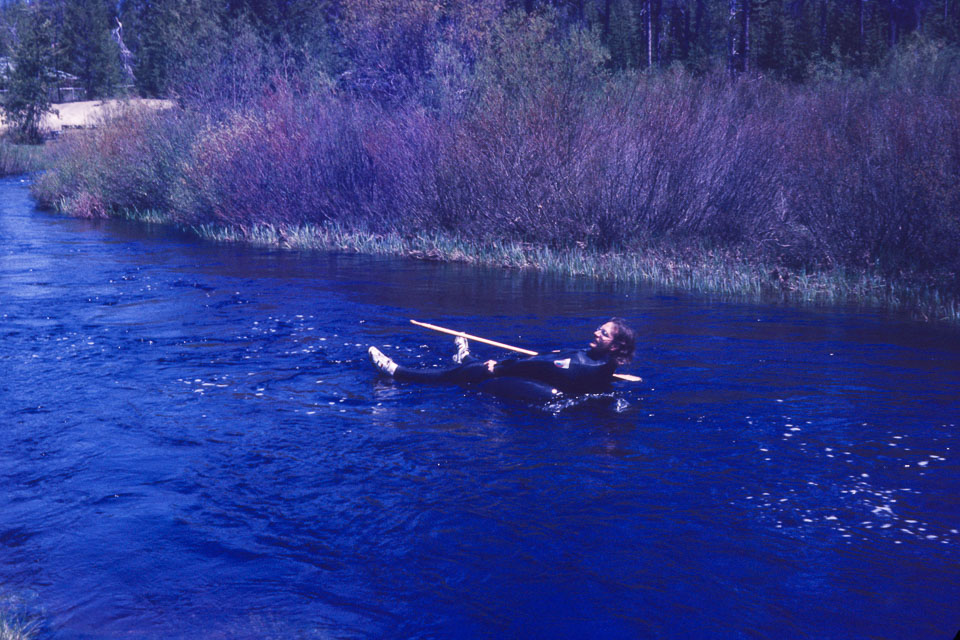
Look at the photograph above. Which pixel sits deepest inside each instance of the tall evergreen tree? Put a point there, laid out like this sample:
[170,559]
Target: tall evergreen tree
[88,48]
[166,35]
[31,76]
[6,31]
[624,40]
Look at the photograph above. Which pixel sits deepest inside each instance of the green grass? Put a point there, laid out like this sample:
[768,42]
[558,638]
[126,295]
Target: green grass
[705,272]
[17,158]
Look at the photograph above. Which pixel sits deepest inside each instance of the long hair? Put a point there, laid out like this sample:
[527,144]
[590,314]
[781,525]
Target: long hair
[624,341]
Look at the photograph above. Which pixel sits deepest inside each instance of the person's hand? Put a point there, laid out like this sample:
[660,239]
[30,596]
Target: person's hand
[490,365]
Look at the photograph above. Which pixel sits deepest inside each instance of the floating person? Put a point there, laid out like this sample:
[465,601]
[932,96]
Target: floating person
[535,378]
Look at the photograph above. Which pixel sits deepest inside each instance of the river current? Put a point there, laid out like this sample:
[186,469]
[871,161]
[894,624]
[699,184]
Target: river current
[194,445]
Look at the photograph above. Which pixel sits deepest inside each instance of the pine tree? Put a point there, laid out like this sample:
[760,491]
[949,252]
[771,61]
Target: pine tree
[88,48]
[5,30]
[624,39]
[31,77]
[768,39]
[165,36]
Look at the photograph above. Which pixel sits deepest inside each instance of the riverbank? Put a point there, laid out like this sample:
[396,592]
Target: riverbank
[702,271]
[698,270]
[19,158]
[845,189]
[16,159]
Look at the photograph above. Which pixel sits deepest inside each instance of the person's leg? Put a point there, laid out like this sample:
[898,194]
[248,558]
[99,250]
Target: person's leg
[472,370]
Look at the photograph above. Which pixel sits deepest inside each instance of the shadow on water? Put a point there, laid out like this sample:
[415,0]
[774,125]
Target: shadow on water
[195,444]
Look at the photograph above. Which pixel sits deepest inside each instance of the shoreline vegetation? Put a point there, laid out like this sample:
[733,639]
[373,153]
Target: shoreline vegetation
[21,158]
[706,272]
[842,189]
[16,159]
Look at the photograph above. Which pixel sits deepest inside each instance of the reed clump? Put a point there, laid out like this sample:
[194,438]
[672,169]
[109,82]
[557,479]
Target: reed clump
[533,154]
[130,163]
[704,271]
[17,159]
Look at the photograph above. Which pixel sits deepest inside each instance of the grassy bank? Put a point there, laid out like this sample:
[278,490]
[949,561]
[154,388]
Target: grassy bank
[700,271]
[846,188]
[16,159]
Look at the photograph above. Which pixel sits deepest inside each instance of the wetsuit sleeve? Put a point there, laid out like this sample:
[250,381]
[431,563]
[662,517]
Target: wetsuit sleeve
[570,372]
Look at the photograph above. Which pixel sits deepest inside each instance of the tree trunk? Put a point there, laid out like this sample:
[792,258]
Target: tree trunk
[731,38]
[649,34]
[860,32]
[607,6]
[656,10]
[698,22]
[892,22]
[823,28]
[745,36]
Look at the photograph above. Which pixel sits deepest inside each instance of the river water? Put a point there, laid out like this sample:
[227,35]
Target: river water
[195,445]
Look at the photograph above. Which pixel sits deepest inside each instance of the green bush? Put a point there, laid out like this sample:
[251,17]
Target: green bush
[130,164]
[16,159]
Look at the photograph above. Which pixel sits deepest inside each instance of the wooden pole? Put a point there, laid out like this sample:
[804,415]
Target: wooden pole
[461,334]
[501,345]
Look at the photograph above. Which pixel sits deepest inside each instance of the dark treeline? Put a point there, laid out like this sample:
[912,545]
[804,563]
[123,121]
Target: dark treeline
[160,47]
[67,39]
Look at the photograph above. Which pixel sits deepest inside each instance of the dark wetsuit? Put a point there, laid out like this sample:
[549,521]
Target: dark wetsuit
[572,372]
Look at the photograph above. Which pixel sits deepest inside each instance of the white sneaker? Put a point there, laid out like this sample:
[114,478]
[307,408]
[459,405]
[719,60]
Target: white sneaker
[463,349]
[382,362]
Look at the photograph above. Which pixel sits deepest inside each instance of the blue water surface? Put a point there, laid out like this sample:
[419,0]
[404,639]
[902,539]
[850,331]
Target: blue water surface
[195,445]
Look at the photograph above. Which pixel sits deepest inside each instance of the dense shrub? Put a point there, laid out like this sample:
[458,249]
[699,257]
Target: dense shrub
[132,162]
[288,161]
[873,169]
[531,140]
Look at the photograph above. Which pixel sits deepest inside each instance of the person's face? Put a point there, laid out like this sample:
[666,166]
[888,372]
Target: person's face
[603,337]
